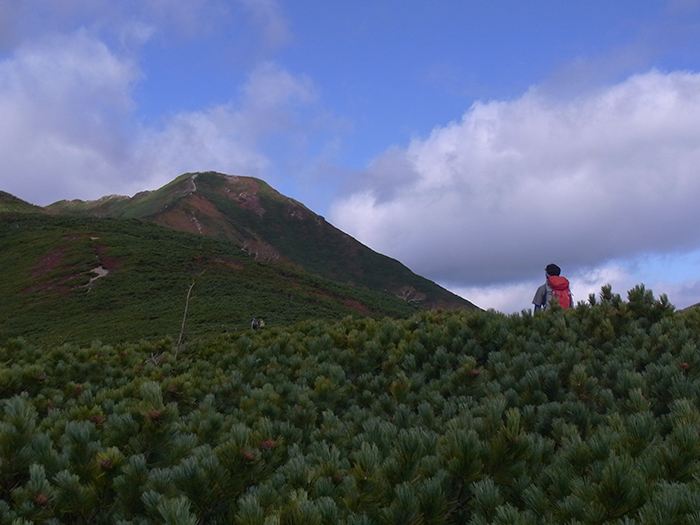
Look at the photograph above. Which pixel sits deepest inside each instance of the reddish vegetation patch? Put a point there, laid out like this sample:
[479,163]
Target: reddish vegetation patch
[357,305]
[63,290]
[176,219]
[244,191]
[207,210]
[200,216]
[47,263]
[52,261]
[108,263]
[249,201]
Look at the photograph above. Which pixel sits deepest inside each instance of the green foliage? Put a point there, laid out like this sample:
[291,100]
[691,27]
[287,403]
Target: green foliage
[13,204]
[586,416]
[47,295]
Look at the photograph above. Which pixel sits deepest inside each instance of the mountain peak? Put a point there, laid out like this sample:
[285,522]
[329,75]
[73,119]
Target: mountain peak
[270,227]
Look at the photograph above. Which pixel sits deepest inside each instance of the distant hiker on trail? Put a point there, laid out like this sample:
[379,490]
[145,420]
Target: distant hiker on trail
[556,288]
[257,323]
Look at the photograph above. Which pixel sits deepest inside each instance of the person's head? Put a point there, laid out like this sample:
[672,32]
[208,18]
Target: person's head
[552,269]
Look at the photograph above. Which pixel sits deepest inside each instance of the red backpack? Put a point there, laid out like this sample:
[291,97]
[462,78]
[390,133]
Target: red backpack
[560,291]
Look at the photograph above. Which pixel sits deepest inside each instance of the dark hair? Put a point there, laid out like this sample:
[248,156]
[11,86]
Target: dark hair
[552,269]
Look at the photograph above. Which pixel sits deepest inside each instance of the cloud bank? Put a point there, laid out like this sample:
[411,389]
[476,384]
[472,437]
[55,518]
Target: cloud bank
[490,200]
[65,104]
[70,128]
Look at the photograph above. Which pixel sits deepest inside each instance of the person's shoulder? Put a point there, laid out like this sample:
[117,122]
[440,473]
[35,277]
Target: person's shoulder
[540,295]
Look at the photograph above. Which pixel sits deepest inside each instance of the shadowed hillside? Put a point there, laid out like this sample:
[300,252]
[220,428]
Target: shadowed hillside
[271,228]
[75,279]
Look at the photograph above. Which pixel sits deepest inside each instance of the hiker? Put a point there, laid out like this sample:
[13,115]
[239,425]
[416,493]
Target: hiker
[258,322]
[555,288]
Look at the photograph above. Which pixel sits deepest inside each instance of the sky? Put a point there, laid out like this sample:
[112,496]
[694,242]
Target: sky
[476,142]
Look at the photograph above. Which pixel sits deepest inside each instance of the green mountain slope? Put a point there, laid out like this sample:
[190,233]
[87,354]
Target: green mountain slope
[271,227]
[9,202]
[74,279]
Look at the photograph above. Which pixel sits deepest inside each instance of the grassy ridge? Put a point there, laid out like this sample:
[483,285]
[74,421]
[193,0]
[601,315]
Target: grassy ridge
[10,203]
[584,416]
[316,245]
[47,263]
[243,209]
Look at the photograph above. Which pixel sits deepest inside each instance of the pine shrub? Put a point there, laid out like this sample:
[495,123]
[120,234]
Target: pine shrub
[590,415]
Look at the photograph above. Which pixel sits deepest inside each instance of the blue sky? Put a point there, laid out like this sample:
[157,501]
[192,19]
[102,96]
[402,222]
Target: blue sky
[476,142]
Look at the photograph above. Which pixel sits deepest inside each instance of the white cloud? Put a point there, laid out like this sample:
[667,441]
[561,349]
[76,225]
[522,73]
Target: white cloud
[272,96]
[65,105]
[490,200]
[508,298]
[196,141]
[228,138]
[69,127]
[268,15]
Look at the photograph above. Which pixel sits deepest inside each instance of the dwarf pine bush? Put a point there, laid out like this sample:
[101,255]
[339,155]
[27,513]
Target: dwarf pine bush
[590,415]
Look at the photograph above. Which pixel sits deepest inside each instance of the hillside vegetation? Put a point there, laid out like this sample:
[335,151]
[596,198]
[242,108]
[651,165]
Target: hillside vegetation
[584,416]
[253,216]
[74,279]
[13,204]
